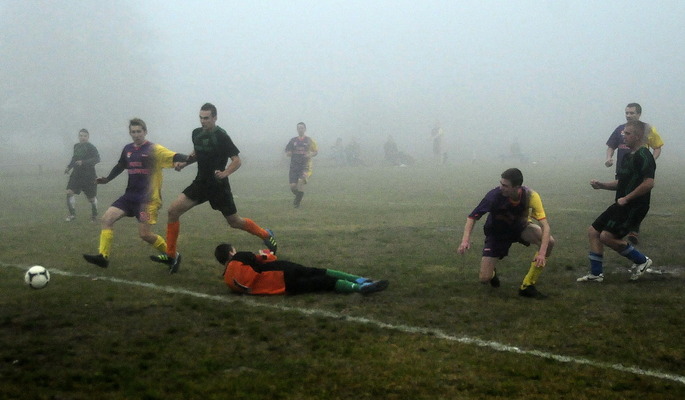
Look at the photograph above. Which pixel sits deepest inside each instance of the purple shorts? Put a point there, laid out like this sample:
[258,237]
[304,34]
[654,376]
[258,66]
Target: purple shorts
[498,246]
[132,208]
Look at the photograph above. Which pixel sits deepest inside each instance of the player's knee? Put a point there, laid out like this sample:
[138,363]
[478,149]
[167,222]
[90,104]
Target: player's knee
[174,213]
[606,237]
[235,224]
[592,232]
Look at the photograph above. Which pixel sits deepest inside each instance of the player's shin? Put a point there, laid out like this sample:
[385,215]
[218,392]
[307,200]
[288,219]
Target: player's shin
[533,274]
[345,276]
[106,238]
[172,231]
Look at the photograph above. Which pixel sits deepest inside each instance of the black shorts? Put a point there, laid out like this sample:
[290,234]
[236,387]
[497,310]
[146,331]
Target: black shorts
[218,194]
[620,220]
[78,183]
[301,279]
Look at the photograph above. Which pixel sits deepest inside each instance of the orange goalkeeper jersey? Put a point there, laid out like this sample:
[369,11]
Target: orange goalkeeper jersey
[249,273]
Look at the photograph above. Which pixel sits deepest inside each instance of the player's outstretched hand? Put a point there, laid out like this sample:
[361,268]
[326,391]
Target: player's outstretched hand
[595,184]
[465,245]
[101,180]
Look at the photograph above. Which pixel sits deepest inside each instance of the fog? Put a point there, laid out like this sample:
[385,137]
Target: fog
[553,75]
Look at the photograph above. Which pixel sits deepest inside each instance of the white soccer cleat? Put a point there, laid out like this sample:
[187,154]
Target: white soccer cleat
[640,269]
[591,278]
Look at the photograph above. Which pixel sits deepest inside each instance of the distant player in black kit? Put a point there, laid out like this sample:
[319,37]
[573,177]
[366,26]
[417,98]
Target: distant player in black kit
[82,178]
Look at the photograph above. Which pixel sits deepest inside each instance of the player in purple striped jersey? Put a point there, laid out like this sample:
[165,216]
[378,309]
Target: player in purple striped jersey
[301,149]
[142,199]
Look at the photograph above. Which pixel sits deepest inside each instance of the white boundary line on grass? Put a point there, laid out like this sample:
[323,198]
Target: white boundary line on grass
[437,333]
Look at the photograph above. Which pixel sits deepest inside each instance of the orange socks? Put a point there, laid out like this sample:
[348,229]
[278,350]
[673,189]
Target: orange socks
[172,230]
[253,228]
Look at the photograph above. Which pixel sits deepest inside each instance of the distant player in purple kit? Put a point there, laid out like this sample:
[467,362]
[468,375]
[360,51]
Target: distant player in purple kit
[82,178]
[142,199]
[616,143]
[511,207]
[301,149]
[633,188]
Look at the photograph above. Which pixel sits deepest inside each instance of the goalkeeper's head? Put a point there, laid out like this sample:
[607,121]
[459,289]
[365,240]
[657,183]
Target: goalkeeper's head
[224,252]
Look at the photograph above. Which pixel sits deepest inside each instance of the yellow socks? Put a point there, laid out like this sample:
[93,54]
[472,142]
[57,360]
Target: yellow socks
[106,237]
[533,274]
[160,244]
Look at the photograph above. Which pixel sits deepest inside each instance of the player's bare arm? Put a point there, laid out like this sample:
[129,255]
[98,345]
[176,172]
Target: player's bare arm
[610,157]
[230,168]
[466,238]
[603,185]
[641,190]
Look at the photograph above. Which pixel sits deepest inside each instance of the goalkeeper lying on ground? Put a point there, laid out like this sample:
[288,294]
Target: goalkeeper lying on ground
[263,273]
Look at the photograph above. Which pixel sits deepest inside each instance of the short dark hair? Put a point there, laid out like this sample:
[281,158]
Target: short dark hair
[84,130]
[638,108]
[639,125]
[221,253]
[303,124]
[137,122]
[209,107]
[513,175]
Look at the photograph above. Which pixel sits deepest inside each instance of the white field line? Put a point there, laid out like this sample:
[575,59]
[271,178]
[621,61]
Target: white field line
[400,328]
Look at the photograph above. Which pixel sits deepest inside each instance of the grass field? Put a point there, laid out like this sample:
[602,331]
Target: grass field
[134,332]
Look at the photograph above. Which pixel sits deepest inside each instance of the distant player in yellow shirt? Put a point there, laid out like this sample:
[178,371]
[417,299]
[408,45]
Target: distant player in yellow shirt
[301,149]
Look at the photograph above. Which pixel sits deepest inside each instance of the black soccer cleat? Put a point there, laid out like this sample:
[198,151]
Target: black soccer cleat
[531,292]
[270,242]
[494,282]
[373,286]
[97,259]
[174,263]
[174,266]
[162,258]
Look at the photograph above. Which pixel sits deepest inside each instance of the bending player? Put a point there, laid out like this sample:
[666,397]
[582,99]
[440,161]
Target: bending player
[510,207]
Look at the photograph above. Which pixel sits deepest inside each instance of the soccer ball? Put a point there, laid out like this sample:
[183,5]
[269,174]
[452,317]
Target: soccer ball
[37,277]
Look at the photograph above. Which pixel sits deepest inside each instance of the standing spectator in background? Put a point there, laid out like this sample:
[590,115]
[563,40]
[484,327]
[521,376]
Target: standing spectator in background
[652,139]
[392,153]
[438,136]
[82,178]
[301,149]
[339,152]
[353,152]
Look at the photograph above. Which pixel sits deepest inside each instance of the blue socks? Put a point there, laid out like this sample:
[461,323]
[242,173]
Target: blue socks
[596,263]
[633,254]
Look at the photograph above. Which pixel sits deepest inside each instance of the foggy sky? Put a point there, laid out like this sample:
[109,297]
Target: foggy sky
[554,75]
